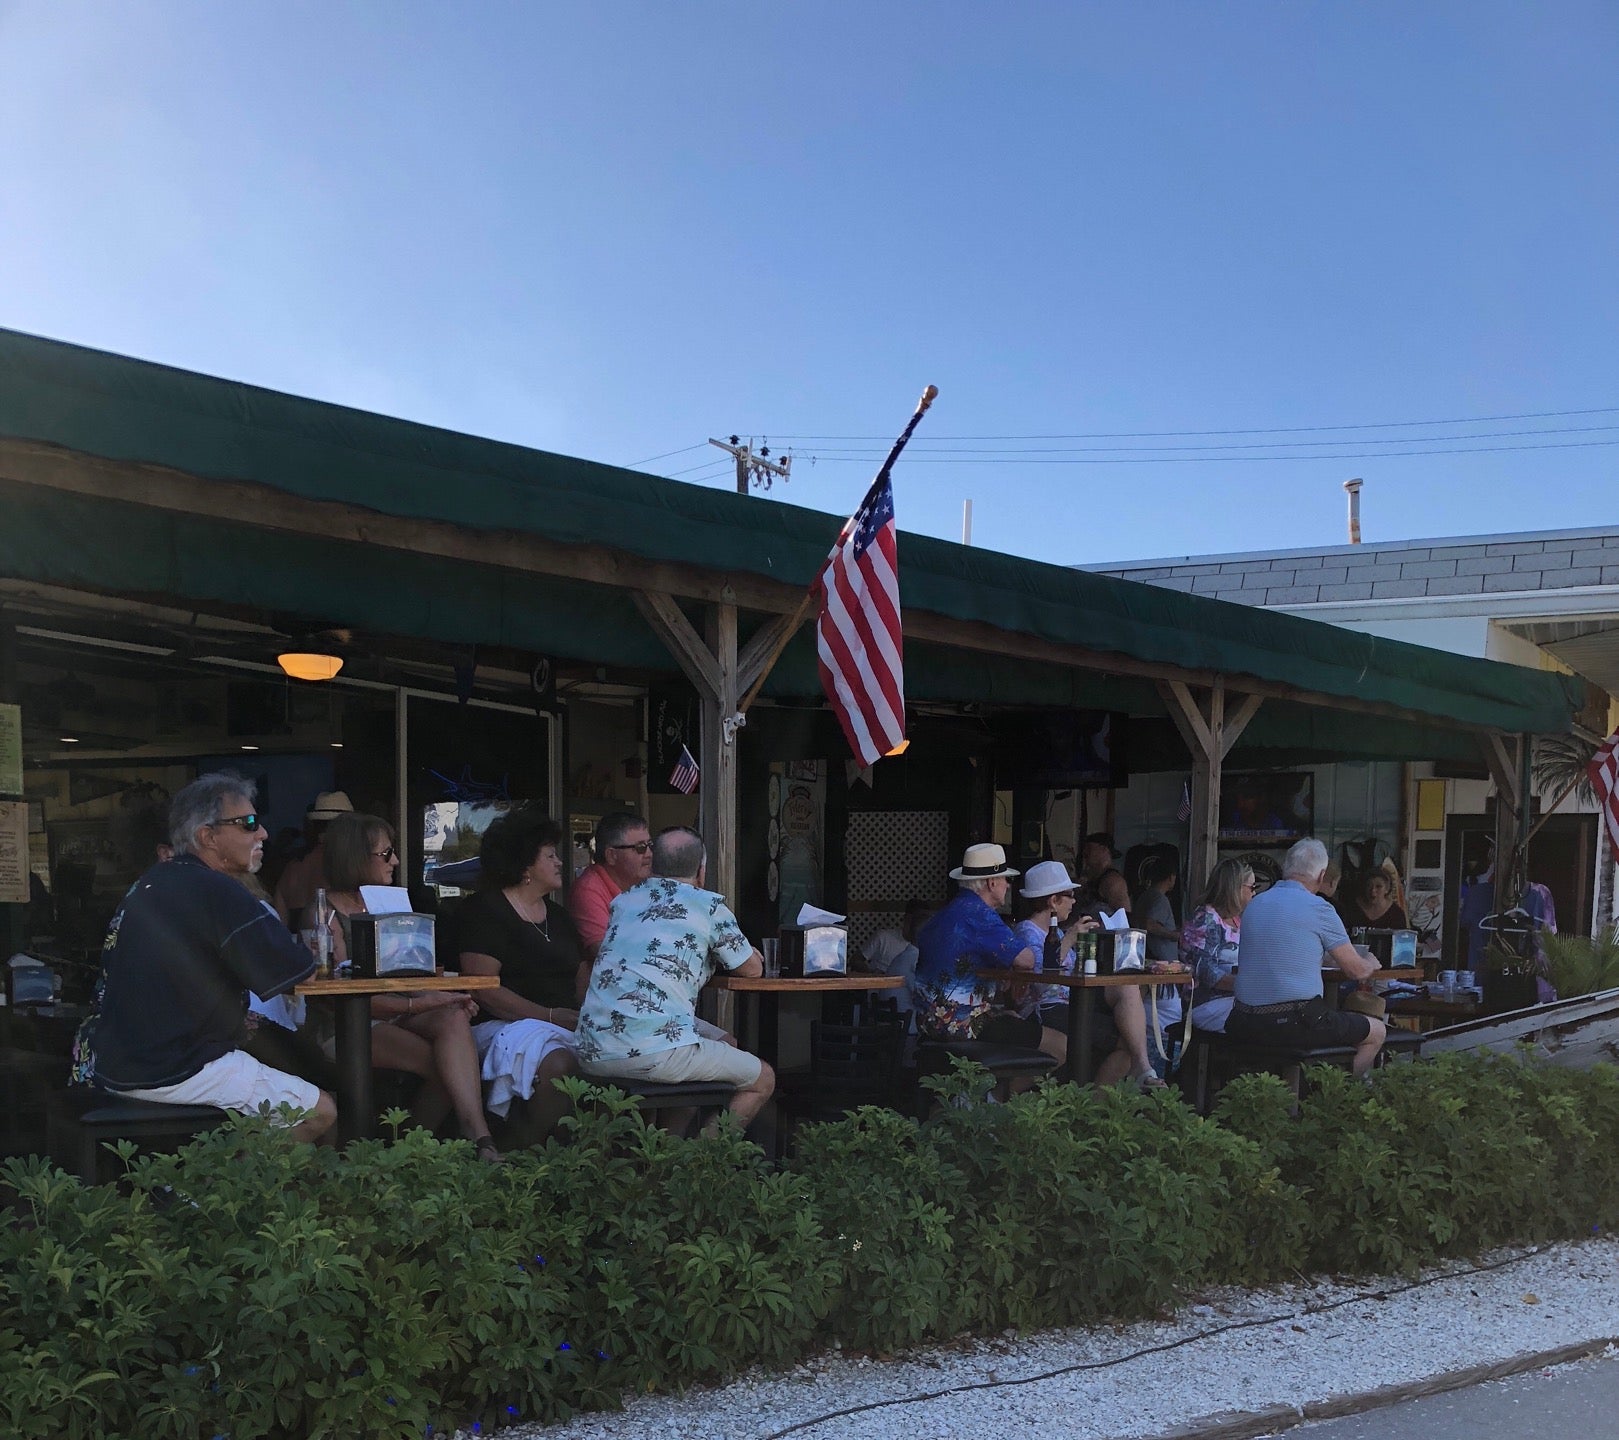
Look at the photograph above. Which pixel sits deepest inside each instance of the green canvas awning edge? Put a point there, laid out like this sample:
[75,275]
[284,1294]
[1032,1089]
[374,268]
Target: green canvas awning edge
[122,409]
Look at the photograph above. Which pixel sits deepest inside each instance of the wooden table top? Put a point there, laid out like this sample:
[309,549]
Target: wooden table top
[1076,981]
[803,985]
[396,984]
[1398,972]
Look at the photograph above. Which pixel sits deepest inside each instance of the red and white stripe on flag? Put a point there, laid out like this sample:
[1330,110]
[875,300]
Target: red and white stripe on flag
[685,776]
[857,635]
[1603,769]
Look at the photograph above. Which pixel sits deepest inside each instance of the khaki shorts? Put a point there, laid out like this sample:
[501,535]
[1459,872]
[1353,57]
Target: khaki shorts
[235,1081]
[708,1059]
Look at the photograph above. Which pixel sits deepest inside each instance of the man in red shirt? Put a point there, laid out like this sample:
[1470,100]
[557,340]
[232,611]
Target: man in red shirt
[623,861]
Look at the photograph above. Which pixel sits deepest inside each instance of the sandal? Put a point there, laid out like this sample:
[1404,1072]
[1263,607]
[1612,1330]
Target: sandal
[1149,1082]
[488,1150]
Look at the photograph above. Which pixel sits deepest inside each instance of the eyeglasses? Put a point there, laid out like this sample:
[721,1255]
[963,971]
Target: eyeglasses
[641,847]
[249,823]
[387,854]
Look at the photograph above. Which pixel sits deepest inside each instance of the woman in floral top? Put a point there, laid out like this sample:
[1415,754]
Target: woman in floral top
[1209,942]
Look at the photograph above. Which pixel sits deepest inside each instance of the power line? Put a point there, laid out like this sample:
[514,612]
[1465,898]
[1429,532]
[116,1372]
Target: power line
[1255,430]
[1000,459]
[684,449]
[712,465]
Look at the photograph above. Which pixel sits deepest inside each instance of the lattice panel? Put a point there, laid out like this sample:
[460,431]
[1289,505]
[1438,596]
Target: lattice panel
[892,856]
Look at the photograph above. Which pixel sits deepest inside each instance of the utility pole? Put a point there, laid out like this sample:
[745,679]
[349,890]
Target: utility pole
[754,465]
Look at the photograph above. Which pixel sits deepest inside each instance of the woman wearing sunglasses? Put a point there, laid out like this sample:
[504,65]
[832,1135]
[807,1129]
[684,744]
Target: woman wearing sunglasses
[429,1033]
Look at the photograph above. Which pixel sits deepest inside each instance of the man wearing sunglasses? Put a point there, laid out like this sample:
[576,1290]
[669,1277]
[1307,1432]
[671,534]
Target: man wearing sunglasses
[623,861]
[187,944]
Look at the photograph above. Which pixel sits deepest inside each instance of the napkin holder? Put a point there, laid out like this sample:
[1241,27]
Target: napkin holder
[1119,951]
[384,945]
[811,950]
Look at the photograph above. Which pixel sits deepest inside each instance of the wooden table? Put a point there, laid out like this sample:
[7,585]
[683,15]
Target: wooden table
[1082,1002]
[763,1013]
[356,1109]
[1332,977]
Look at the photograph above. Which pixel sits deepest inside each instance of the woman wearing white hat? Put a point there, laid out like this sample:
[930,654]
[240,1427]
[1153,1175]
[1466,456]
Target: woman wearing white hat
[1120,1024]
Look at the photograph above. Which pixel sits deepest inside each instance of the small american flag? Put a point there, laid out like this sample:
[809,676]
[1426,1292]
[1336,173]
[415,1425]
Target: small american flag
[1185,810]
[857,634]
[685,775]
[1603,769]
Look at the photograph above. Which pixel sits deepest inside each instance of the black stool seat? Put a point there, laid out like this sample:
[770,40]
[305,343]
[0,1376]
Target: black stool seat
[1239,1055]
[654,1096]
[933,1056]
[80,1120]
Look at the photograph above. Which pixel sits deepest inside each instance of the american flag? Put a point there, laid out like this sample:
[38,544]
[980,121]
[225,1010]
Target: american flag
[857,634]
[1185,810]
[1603,769]
[685,775]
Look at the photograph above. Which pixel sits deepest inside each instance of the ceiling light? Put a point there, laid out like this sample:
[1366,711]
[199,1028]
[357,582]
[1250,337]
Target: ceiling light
[309,664]
[250,747]
[337,744]
[67,739]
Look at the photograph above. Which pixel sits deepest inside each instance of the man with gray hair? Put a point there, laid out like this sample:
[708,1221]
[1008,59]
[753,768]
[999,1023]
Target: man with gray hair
[664,939]
[1288,933]
[187,944]
[623,861]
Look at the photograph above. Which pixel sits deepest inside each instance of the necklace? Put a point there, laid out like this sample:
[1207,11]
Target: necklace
[543,926]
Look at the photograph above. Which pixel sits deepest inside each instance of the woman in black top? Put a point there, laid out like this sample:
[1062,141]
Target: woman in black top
[512,929]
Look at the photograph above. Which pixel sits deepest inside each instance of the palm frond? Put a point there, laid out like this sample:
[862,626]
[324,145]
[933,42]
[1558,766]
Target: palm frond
[1559,761]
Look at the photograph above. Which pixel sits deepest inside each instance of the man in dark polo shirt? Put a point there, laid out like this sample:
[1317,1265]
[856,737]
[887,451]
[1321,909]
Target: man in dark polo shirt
[1288,934]
[187,944]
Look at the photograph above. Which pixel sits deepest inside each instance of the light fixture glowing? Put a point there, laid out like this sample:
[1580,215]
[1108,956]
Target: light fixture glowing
[309,664]
[337,744]
[901,748]
[68,739]
[250,747]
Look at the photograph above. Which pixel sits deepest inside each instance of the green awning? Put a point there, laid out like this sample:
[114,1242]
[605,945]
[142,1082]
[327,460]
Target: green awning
[130,410]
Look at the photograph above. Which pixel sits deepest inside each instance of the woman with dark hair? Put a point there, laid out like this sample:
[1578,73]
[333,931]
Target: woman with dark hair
[1375,905]
[427,1034]
[1209,941]
[516,929]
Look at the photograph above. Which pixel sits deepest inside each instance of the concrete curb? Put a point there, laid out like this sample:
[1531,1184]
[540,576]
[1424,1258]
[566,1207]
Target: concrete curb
[1245,1425]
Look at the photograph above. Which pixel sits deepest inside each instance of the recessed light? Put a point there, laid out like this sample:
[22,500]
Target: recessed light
[67,739]
[337,744]
[250,747]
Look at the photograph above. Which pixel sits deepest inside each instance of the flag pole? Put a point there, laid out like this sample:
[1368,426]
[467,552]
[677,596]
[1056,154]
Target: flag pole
[797,617]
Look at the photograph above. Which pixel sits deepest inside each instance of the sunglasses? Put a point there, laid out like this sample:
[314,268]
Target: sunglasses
[641,847]
[249,823]
[387,854]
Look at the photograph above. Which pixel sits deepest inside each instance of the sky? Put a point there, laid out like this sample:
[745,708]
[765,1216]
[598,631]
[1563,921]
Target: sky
[615,230]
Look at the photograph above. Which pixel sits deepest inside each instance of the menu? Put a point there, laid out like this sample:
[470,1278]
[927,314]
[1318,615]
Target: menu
[13,852]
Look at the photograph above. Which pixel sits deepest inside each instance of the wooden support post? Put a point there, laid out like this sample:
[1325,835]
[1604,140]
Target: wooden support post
[718,791]
[1501,753]
[1209,736]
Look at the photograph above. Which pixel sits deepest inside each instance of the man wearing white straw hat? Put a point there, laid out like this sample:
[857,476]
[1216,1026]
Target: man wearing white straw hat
[952,1001]
[295,890]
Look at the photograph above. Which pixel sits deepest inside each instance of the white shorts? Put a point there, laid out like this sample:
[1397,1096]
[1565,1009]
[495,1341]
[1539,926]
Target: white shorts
[235,1081]
[708,1059]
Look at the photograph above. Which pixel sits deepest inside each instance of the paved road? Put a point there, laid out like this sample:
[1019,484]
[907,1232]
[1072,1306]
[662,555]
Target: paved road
[1580,1400]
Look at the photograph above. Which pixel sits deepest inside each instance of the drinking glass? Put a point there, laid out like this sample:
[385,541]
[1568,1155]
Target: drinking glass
[771,950]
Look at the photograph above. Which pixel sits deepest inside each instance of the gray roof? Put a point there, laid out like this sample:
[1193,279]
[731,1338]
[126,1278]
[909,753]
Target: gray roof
[1391,570]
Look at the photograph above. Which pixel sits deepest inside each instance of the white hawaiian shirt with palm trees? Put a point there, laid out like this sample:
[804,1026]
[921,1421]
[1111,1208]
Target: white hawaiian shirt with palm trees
[664,939]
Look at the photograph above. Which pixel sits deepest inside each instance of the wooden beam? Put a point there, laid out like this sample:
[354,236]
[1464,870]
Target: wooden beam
[1238,722]
[1183,710]
[719,746]
[755,658]
[680,638]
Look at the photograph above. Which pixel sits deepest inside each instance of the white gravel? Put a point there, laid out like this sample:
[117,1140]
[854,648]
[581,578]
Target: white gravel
[1294,1349]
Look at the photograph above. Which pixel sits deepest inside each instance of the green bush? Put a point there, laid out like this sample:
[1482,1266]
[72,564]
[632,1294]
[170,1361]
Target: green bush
[251,1287]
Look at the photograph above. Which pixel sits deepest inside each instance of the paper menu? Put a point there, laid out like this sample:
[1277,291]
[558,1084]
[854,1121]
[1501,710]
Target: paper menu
[813,915]
[385,899]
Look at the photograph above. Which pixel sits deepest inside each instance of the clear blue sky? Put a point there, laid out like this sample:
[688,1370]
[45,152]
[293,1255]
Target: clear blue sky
[615,229]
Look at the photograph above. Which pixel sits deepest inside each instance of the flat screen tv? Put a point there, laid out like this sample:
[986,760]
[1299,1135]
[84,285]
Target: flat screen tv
[1267,809]
[1057,749]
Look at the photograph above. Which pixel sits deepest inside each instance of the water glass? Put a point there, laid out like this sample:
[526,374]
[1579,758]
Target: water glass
[771,950]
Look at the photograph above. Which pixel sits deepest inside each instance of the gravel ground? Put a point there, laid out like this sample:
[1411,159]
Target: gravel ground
[1233,1352]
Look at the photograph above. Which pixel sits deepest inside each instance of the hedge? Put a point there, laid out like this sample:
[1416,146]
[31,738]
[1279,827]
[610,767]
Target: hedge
[250,1287]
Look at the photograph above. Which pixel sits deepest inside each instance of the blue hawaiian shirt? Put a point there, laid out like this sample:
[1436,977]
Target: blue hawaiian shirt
[664,939]
[966,935]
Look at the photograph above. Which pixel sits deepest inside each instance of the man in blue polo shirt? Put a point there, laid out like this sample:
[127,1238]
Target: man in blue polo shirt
[1288,933]
[187,944]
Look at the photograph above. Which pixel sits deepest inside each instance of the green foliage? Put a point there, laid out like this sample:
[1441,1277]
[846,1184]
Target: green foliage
[1581,964]
[252,1287]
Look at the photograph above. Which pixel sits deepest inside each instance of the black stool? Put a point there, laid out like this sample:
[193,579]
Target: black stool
[1234,1057]
[702,1096]
[1005,1062]
[80,1121]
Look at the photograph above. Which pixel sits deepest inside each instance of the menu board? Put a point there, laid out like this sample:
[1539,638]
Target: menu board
[13,852]
[10,749]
